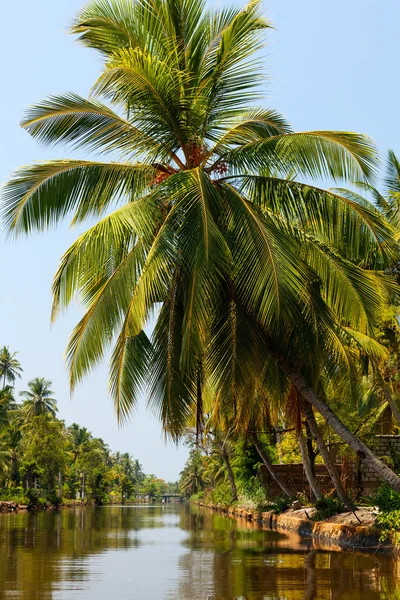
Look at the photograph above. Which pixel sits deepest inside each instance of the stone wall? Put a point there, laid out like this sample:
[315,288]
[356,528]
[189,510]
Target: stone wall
[355,476]
[387,447]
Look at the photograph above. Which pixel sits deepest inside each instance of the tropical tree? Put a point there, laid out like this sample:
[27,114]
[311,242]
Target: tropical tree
[79,438]
[10,367]
[45,446]
[192,477]
[39,399]
[204,218]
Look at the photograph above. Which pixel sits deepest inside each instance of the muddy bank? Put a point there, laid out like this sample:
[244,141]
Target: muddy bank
[10,506]
[341,531]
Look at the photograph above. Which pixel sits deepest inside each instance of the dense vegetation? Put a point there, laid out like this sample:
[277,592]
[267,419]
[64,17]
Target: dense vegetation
[43,460]
[274,300]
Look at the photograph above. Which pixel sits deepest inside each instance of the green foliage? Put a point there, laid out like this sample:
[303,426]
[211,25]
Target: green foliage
[222,495]
[40,452]
[327,506]
[389,522]
[279,504]
[385,498]
[197,497]
[34,499]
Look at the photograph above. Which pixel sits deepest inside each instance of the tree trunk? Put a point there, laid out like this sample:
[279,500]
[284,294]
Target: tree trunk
[314,487]
[330,465]
[310,449]
[285,488]
[307,393]
[230,474]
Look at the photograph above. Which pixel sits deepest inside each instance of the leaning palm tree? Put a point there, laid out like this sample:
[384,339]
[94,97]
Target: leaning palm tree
[39,399]
[204,220]
[10,367]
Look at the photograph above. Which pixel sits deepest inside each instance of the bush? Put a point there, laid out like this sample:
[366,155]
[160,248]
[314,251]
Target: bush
[34,499]
[222,495]
[54,498]
[326,507]
[385,498]
[280,504]
[389,522]
[197,497]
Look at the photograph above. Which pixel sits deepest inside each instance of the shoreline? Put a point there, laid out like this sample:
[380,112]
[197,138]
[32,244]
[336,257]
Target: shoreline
[338,535]
[10,506]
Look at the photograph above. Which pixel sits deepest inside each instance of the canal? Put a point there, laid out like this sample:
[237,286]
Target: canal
[176,552]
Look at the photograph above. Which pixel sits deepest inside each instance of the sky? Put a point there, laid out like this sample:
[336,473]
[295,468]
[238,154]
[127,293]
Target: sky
[330,65]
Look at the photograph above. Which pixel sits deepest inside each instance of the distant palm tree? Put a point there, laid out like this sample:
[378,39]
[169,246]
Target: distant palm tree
[6,404]
[10,367]
[38,399]
[79,438]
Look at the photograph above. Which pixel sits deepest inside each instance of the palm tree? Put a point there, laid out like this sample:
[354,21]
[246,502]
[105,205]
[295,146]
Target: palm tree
[6,404]
[39,399]
[211,224]
[10,368]
[79,438]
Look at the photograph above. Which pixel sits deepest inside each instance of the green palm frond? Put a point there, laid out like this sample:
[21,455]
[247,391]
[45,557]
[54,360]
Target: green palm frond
[317,154]
[39,195]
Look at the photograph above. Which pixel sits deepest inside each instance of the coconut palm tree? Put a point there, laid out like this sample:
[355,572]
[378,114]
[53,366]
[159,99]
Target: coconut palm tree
[79,438]
[10,367]
[39,399]
[205,218]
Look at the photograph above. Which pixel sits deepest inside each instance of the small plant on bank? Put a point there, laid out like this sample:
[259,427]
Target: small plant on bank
[389,523]
[385,498]
[34,500]
[222,495]
[197,497]
[327,506]
[280,504]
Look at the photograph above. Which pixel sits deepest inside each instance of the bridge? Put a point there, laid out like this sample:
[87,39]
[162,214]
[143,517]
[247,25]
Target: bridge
[172,498]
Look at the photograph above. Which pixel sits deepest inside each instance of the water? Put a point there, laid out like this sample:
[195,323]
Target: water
[176,552]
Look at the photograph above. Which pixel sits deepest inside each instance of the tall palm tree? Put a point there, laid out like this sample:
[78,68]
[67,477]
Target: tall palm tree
[211,224]
[10,367]
[39,399]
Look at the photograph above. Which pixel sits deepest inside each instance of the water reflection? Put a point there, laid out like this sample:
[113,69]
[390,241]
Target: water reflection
[174,552]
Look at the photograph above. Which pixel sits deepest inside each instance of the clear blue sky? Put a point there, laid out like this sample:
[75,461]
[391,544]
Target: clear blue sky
[331,65]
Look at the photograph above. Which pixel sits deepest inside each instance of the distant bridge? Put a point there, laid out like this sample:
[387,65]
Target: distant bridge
[172,498]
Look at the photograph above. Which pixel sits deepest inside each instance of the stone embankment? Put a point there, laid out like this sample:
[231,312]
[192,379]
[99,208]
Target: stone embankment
[10,506]
[341,531]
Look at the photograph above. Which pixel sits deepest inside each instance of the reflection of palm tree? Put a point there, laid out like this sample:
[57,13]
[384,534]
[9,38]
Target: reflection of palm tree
[10,367]
[38,399]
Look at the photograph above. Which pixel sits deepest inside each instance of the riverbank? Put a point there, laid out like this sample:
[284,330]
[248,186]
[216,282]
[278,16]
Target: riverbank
[7,506]
[342,530]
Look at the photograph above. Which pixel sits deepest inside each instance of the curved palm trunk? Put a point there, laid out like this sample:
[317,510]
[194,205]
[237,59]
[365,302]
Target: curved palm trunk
[329,463]
[307,466]
[230,474]
[307,393]
[285,488]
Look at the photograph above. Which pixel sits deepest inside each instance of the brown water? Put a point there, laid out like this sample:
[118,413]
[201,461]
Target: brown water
[176,552]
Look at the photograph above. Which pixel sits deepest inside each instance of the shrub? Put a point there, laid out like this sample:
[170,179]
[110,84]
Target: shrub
[386,499]
[222,495]
[280,504]
[54,498]
[197,497]
[34,499]
[389,522]
[326,507]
